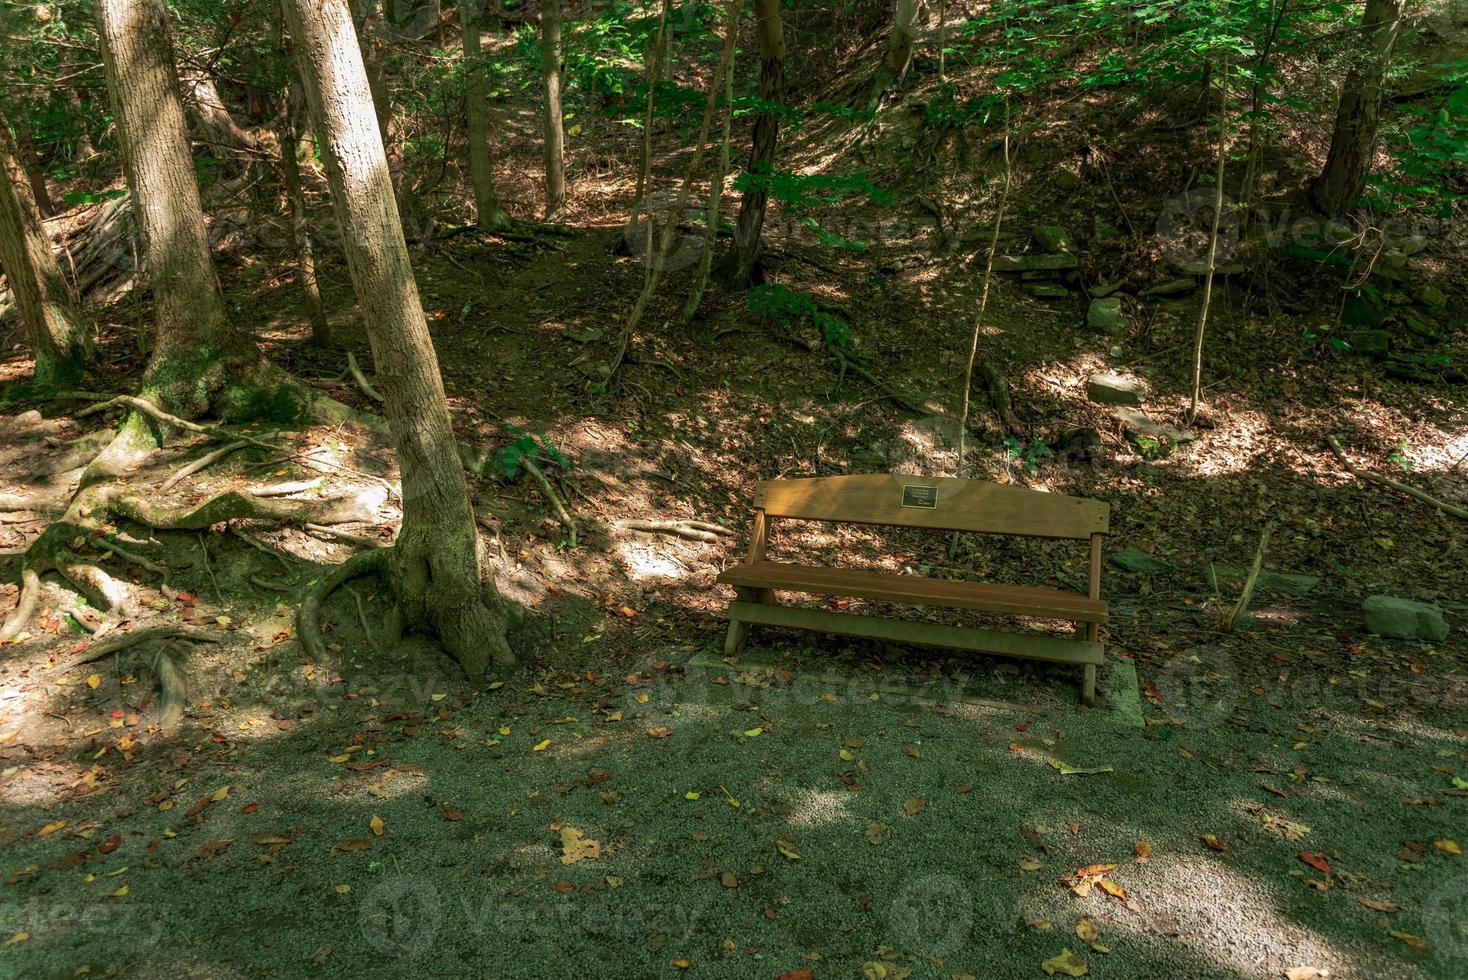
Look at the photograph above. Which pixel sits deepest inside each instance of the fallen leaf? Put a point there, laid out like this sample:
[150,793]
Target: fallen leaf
[1066,964]
[452,814]
[660,731]
[1316,860]
[564,887]
[1306,973]
[1416,942]
[728,880]
[1448,846]
[1028,863]
[1112,888]
[753,732]
[1215,842]
[21,937]
[93,681]
[377,825]
[787,849]
[914,806]
[575,846]
[1087,930]
[343,889]
[540,746]
[1144,851]
[877,832]
[51,828]
[110,844]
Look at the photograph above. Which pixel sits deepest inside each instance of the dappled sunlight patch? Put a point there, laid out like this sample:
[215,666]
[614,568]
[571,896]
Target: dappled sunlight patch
[644,562]
[811,808]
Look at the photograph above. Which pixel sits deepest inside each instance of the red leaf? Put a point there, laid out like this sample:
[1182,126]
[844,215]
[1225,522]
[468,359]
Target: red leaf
[1316,860]
[110,844]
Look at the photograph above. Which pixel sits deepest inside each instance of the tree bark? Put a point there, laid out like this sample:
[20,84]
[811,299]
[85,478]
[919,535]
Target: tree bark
[553,117]
[30,160]
[290,171]
[489,214]
[1353,143]
[367,17]
[743,262]
[196,351]
[440,570]
[899,50]
[59,334]
[213,117]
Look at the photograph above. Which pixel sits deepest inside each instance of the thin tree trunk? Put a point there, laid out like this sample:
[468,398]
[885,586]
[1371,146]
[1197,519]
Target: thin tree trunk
[488,212]
[59,334]
[942,40]
[716,179]
[30,160]
[202,97]
[196,350]
[899,50]
[440,571]
[555,133]
[743,261]
[654,76]
[290,172]
[1353,143]
[1212,245]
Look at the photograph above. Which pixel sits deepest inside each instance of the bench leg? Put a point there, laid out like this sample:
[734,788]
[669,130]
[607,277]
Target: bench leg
[738,629]
[1088,680]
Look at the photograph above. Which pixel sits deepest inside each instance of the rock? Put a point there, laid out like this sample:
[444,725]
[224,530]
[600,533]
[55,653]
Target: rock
[1134,560]
[1115,389]
[1391,265]
[1172,287]
[1427,329]
[1231,578]
[1362,312]
[1403,618]
[1105,314]
[1141,424]
[1413,245]
[1430,296]
[1067,179]
[1047,291]
[1199,267]
[1034,263]
[1079,445]
[1102,228]
[1103,290]
[1337,233]
[1054,239]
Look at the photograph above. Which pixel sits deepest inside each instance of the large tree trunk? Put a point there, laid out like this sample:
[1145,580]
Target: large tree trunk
[59,335]
[899,50]
[1353,143]
[441,576]
[488,212]
[743,261]
[215,119]
[368,16]
[196,351]
[555,133]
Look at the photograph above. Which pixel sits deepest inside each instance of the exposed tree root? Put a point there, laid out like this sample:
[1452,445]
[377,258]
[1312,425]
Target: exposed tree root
[106,648]
[25,607]
[208,459]
[237,505]
[692,530]
[148,408]
[308,615]
[356,371]
[1410,491]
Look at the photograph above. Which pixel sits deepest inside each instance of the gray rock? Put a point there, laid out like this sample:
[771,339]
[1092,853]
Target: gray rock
[1395,297]
[1392,266]
[1134,560]
[1047,291]
[1199,267]
[1390,616]
[1105,314]
[1427,329]
[1115,389]
[1034,263]
[1172,287]
[1067,180]
[1103,290]
[1371,343]
[1054,239]
[1414,245]
[1231,578]
[1430,296]
[1337,233]
[1141,424]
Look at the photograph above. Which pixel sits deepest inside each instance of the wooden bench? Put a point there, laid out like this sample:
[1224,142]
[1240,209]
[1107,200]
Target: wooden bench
[939,504]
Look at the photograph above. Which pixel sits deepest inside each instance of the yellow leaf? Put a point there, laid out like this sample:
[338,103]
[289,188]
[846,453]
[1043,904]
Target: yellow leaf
[339,758]
[377,825]
[222,793]
[1448,846]
[682,964]
[640,698]
[540,746]
[438,697]
[847,755]
[692,795]
[19,937]
[577,847]
[120,892]
[51,828]
[1087,930]
[93,681]
[1144,851]
[751,733]
[504,729]
[614,716]
[343,889]
[1066,964]
[787,849]
[496,685]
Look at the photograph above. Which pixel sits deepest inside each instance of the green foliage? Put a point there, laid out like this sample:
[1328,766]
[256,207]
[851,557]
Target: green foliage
[1029,454]
[525,446]
[779,303]
[1431,149]
[1398,455]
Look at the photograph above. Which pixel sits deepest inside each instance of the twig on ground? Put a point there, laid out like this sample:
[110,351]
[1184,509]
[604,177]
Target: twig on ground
[362,618]
[189,469]
[1386,481]
[148,408]
[348,536]
[308,616]
[361,379]
[260,546]
[555,501]
[286,489]
[204,550]
[1241,608]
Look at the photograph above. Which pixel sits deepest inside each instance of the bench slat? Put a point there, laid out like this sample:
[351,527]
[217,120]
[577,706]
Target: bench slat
[939,503]
[927,634]
[1014,600]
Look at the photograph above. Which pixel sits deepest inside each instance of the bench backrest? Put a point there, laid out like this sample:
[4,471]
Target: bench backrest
[940,503]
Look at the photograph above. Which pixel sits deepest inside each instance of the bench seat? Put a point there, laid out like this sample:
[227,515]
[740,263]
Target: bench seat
[919,590]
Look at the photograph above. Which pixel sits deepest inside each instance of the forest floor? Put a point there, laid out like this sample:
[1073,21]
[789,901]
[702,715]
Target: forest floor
[1292,796]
